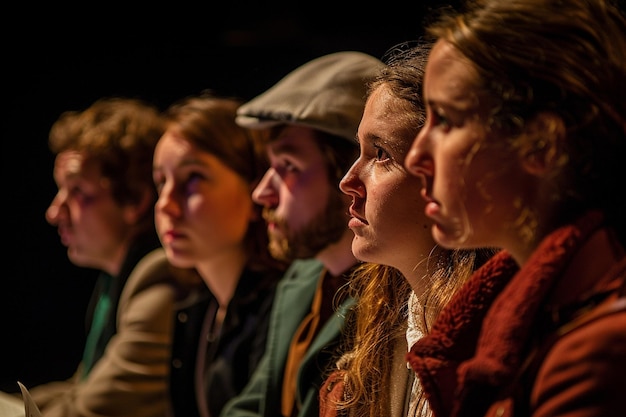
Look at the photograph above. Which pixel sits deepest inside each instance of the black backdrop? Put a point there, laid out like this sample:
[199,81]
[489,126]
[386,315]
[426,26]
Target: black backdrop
[58,59]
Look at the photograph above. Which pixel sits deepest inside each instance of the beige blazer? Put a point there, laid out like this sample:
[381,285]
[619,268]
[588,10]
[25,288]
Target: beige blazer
[131,379]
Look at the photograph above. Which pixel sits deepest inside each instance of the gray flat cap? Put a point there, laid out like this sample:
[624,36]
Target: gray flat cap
[327,93]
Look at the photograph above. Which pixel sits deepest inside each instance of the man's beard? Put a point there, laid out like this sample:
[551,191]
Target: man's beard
[323,230]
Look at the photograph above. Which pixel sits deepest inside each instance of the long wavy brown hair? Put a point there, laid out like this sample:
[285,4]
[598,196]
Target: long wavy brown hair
[378,322]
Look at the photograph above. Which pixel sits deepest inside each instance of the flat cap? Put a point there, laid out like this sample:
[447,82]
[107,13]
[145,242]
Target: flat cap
[327,93]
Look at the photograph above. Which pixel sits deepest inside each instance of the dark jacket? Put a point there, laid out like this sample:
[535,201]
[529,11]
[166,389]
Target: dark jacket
[231,353]
[131,378]
[114,285]
[507,344]
[262,396]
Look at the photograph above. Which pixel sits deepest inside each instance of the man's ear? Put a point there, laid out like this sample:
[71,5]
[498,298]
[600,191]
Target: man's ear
[542,147]
[133,213]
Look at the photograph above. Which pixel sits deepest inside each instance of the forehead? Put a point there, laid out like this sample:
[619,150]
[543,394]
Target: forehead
[75,164]
[173,145]
[77,167]
[379,103]
[296,141]
[382,110]
[450,75]
[389,119]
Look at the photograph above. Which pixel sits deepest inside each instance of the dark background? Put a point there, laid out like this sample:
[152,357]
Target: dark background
[59,59]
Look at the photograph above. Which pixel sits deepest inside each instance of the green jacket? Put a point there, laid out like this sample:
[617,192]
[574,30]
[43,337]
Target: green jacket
[262,395]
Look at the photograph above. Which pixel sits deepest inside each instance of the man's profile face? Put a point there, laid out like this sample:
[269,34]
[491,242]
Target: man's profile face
[304,211]
[91,224]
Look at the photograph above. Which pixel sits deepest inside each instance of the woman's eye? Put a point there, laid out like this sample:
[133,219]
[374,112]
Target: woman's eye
[381,154]
[441,119]
[193,180]
[158,184]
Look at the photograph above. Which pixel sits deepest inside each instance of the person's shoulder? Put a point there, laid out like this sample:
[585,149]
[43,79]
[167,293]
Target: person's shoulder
[600,331]
[155,269]
[154,258]
[589,360]
[594,340]
[153,266]
[304,268]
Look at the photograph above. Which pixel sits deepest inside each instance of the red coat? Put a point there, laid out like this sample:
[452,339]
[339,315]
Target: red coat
[548,339]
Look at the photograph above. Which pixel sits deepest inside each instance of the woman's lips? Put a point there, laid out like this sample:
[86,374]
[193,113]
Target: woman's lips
[431,208]
[356,220]
[172,235]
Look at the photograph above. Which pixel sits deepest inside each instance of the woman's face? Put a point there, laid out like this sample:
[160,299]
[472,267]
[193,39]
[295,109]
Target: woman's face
[474,184]
[204,207]
[387,213]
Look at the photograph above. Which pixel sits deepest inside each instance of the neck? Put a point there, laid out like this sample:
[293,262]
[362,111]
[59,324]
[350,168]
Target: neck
[112,265]
[337,257]
[221,273]
[419,274]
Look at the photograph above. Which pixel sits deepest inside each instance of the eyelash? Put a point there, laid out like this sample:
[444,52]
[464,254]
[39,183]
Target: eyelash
[76,192]
[158,184]
[79,195]
[440,119]
[284,168]
[379,157]
[184,185]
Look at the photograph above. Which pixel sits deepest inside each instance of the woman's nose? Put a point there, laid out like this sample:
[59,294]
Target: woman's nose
[417,161]
[351,184]
[167,202]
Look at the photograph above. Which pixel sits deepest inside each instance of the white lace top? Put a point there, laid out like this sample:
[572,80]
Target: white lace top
[413,334]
